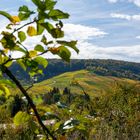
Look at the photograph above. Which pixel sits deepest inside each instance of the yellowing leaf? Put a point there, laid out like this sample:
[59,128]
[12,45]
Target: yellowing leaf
[15,19]
[1,59]
[32,53]
[53,50]
[8,64]
[31,31]
[6,50]
[4,89]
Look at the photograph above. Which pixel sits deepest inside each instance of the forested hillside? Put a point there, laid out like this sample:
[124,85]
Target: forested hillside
[102,67]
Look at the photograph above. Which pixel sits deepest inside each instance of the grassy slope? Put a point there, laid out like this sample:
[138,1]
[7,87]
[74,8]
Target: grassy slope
[93,84]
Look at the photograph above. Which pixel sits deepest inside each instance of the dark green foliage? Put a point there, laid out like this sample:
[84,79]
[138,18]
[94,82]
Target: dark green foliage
[17,105]
[121,69]
[101,67]
[14,104]
[2,99]
[52,97]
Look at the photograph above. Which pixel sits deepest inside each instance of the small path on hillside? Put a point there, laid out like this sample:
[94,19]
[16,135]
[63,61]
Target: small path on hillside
[50,83]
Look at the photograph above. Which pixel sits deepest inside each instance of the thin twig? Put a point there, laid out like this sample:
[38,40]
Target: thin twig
[23,46]
[29,87]
[23,26]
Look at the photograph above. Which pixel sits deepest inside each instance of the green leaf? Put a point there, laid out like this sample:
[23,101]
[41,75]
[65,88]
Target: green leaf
[24,12]
[39,48]
[24,8]
[1,74]
[8,41]
[34,127]
[44,5]
[40,28]
[7,82]
[57,14]
[41,61]
[7,15]
[64,53]
[21,36]
[18,48]
[44,40]
[50,4]
[36,2]
[21,118]
[9,26]
[32,73]
[57,33]
[39,71]
[8,64]
[31,63]
[40,4]
[23,16]
[48,26]
[3,59]
[71,44]
[22,64]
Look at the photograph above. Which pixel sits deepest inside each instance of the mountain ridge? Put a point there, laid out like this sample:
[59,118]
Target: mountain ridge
[101,67]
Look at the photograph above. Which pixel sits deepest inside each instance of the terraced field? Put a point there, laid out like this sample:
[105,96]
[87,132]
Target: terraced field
[93,84]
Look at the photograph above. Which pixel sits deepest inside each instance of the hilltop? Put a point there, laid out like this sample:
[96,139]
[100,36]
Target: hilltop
[92,83]
[121,69]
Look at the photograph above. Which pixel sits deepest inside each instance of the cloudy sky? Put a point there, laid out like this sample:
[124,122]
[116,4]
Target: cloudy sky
[108,29]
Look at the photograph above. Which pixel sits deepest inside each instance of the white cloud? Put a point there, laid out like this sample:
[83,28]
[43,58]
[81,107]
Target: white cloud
[136,17]
[125,16]
[121,16]
[89,50]
[136,2]
[112,1]
[82,32]
[137,37]
[128,53]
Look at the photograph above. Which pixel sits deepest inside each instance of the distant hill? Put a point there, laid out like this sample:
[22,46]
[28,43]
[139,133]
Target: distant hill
[92,84]
[101,67]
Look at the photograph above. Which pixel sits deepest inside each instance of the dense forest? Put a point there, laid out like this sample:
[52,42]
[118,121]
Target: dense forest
[116,68]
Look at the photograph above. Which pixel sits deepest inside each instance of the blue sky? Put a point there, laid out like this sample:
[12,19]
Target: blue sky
[108,29]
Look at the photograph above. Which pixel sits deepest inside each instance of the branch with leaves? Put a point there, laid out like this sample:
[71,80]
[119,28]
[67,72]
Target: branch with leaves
[14,37]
